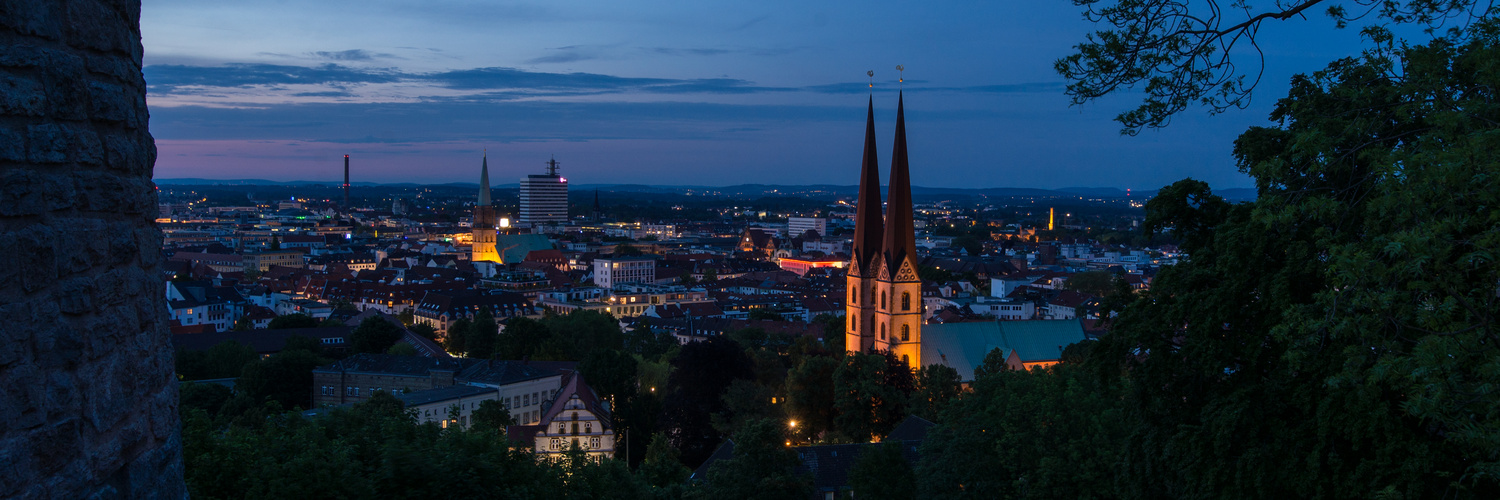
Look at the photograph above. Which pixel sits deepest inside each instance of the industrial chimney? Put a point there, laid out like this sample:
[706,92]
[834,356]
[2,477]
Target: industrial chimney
[346,182]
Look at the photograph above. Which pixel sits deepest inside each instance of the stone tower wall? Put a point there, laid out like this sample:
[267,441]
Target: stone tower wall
[88,407]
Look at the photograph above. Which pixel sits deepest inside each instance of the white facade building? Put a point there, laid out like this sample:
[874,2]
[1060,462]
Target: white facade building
[544,198]
[619,270]
[795,226]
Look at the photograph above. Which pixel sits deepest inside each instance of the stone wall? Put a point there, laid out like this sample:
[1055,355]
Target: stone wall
[88,407]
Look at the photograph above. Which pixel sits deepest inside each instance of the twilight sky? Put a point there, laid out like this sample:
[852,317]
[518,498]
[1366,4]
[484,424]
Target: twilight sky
[663,92]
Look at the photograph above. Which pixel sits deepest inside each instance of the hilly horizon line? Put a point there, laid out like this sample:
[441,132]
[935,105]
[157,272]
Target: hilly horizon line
[195,181]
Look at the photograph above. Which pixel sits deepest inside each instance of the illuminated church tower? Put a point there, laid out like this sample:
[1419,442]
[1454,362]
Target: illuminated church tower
[859,308]
[484,219]
[898,314]
[884,307]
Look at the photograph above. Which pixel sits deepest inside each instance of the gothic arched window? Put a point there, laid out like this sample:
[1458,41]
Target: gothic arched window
[882,299]
[853,323]
[905,301]
[905,333]
[882,331]
[854,296]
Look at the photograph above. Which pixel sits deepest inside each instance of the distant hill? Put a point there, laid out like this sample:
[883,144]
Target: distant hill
[742,190]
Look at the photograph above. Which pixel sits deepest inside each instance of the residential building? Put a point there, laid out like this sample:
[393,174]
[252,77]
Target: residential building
[263,260]
[448,406]
[441,309]
[796,226]
[611,271]
[575,419]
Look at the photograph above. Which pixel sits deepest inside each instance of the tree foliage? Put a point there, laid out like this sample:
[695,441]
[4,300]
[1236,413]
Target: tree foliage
[1181,53]
[1335,337]
[936,386]
[374,335]
[870,395]
[1053,433]
[761,468]
[882,473]
[701,373]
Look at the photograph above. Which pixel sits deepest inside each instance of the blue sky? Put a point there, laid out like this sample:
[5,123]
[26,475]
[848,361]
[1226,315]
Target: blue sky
[663,92]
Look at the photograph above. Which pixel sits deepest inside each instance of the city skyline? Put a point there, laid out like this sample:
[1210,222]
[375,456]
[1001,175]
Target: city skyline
[698,96]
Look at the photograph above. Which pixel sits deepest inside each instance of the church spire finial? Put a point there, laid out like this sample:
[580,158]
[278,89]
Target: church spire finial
[900,238]
[484,179]
[868,222]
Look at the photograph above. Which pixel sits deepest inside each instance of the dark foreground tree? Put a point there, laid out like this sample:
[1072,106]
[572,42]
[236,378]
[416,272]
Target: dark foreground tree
[1181,53]
[1335,338]
[762,468]
[882,473]
[374,335]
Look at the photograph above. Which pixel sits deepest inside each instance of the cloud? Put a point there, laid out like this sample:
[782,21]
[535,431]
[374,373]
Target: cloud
[497,121]
[669,51]
[863,87]
[705,52]
[571,53]
[490,83]
[169,78]
[353,55]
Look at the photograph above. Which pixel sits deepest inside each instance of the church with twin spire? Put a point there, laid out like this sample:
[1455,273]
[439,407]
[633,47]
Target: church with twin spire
[883,311]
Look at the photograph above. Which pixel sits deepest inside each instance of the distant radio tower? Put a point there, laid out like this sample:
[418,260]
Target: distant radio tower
[346,182]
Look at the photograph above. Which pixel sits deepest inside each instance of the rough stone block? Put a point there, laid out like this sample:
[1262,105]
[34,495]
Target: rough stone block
[67,91]
[47,143]
[108,102]
[21,95]
[12,144]
[21,193]
[91,25]
[76,295]
[35,254]
[32,17]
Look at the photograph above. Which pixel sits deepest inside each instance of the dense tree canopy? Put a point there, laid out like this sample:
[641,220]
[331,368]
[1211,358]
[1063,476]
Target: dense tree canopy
[1181,53]
[1335,337]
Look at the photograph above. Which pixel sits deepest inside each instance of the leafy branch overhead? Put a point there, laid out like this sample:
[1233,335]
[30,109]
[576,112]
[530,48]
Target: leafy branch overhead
[1182,52]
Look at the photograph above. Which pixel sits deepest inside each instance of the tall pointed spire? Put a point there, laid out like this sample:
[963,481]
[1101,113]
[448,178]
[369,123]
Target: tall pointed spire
[484,180]
[900,238]
[868,224]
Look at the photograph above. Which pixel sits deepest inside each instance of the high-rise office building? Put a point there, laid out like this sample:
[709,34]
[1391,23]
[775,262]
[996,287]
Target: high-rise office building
[544,197]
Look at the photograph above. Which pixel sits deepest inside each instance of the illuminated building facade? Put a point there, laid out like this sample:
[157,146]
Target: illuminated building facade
[884,309]
[544,198]
[483,248]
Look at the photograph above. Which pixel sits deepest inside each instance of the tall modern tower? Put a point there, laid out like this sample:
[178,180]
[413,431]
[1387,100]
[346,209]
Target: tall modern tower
[884,308]
[483,248]
[544,197]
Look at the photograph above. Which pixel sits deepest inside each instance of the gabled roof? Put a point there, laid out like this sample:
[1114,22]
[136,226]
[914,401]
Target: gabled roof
[514,247]
[263,341]
[497,372]
[575,386]
[441,394]
[391,364]
[963,346]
